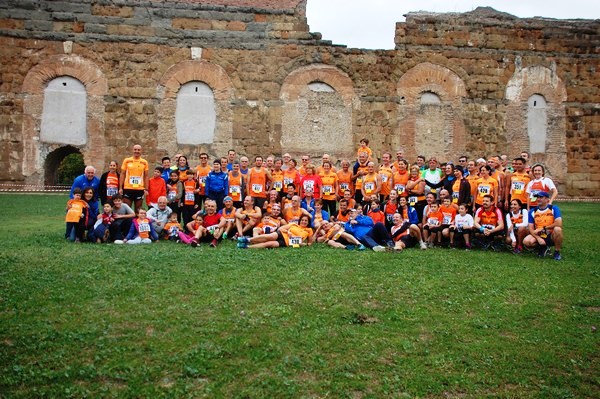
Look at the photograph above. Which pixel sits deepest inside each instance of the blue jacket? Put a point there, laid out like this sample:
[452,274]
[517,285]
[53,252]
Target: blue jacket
[82,182]
[217,183]
[413,217]
[359,230]
[324,215]
[305,205]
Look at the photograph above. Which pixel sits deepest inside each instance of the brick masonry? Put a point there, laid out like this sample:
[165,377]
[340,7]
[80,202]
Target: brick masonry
[259,56]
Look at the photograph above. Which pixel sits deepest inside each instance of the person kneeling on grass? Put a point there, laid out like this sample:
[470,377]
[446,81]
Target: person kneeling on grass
[405,234]
[141,231]
[209,231]
[172,228]
[463,225]
[488,224]
[290,235]
[545,227]
[432,224]
[334,235]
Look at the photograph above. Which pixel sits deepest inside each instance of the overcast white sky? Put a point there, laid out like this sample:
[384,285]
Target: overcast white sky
[371,23]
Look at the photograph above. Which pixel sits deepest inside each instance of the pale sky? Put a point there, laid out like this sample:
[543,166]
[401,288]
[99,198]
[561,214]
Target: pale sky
[371,23]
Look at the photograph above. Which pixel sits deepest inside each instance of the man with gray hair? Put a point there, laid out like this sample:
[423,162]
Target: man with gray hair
[160,215]
[88,179]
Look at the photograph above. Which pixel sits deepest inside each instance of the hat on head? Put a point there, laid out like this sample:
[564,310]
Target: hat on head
[542,194]
[228,198]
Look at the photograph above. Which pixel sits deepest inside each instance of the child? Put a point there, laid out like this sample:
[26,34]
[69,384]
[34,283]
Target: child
[172,228]
[174,193]
[76,215]
[156,187]
[190,190]
[375,213]
[364,147]
[463,224]
[192,228]
[433,224]
[449,212]
[101,228]
[141,231]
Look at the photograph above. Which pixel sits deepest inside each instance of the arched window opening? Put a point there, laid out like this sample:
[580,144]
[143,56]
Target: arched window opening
[537,123]
[195,117]
[429,97]
[64,118]
[320,87]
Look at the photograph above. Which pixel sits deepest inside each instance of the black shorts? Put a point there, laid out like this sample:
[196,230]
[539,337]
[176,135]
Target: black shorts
[408,240]
[133,195]
[549,241]
[281,240]
[432,229]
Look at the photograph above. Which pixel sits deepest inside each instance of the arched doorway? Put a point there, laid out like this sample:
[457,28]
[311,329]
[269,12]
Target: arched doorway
[63,165]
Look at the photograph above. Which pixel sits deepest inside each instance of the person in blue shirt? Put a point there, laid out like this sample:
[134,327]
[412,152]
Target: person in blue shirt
[166,169]
[217,184]
[318,215]
[371,235]
[87,179]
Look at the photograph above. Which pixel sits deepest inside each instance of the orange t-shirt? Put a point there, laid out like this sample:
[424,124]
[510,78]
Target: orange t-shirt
[435,219]
[485,187]
[291,176]
[201,174]
[277,181]
[329,181]
[235,186]
[257,183]
[386,178]
[74,213]
[133,173]
[449,214]
[400,180]
[518,185]
[345,182]
[296,235]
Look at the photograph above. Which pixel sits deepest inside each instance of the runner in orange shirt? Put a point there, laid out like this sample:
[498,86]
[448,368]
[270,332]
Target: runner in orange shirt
[258,178]
[247,217]
[237,184]
[291,175]
[432,228]
[400,177]
[516,182]
[202,172]
[387,176]
[486,185]
[345,180]
[371,182]
[133,182]
[330,188]
[290,235]
[277,176]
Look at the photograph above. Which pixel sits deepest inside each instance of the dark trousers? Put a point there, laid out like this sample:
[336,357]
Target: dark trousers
[377,236]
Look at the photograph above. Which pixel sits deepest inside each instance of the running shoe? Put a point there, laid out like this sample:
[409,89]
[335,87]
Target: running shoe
[362,247]
[243,239]
[423,245]
[379,248]
[557,255]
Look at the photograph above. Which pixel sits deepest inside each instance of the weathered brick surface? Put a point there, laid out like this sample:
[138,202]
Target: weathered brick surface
[258,56]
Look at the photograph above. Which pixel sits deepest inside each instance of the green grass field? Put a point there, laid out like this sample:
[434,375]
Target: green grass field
[168,320]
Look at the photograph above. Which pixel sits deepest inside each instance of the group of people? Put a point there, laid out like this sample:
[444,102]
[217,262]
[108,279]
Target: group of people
[277,202]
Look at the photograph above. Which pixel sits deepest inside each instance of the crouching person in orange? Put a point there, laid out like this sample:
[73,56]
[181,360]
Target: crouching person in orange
[247,217]
[545,227]
[290,235]
[488,224]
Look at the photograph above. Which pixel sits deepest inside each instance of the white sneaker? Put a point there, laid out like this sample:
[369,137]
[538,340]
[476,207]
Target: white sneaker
[379,248]
[118,242]
[423,245]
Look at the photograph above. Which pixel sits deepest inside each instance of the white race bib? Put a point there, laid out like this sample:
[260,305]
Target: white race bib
[295,241]
[235,189]
[369,187]
[327,190]
[257,188]
[400,188]
[144,227]
[135,181]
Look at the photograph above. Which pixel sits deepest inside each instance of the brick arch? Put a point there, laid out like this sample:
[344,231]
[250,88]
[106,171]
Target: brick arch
[316,122]
[524,83]
[437,79]
[220,83]
[296,81]
[36,80]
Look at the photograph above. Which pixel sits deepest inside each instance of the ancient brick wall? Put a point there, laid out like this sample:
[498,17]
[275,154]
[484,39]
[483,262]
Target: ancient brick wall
[261,62]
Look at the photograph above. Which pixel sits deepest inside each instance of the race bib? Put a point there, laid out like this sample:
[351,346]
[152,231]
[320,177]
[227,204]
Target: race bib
[144,227]
[447,219]
[389,217]
[257,188]
[455,198]
[277,185]
[110,191]
[327,190]
[211,229]
[433,222]
[488,226]
[532,195]
[412,200]
[369,187]
[344,186]
[518,187]
[171,196]
[309,184]
[295,241]
[202,181]
[287,180]
[135,181]
[173,230]
[189,196]
[384,178]
[400,188]
[484,190]
[235,189]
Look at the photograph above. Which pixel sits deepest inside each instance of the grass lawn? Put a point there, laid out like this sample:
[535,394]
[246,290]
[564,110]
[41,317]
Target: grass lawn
[168,320]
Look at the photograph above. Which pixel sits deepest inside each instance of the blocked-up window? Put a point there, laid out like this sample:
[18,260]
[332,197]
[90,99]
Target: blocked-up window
[195,117]
[64,118]
[537,123]
[317,86]
[428,97]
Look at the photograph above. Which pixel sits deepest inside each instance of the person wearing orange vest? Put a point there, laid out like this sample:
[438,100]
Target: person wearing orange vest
[227,221]
[258,178]
[291,235]
[358,172]
[76,215]
[133,181]
[488,223]
[432,224]
[330,188]
[141,231]
[516,182]
[109,183]
[517,225]
[277,176]
[371,183]
[345,180]
[190,192]
[247,217]
[237,184]
[545,227]
[400,177]
[202,172]
[387,176]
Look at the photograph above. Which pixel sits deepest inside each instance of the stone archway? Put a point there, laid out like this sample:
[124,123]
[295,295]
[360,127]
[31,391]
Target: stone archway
[525,84]
[53,161]
[316,117]
[216,78]
[430,112]
[36,150]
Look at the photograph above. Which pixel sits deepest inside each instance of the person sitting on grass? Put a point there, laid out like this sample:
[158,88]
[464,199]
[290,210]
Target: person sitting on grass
[76,216]
[291,235]
[517,225]
[227,221]
[210,225]
[545,227]
[141,231]
[334,235]
[488,223]
[372,235]
[192,228]
[463,225]
[172,228]
[270,222]
[405,234]
[247,217]
[318,215]
[432,224]
[101,232]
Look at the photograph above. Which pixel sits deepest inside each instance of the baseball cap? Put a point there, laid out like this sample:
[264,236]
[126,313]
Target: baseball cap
[542,194]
